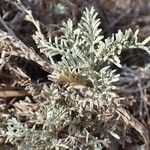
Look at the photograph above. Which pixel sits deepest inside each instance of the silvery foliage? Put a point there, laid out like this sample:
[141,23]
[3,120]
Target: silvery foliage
[65,119]
[85,49]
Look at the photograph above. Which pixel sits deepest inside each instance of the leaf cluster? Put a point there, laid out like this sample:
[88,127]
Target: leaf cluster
[77,111]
